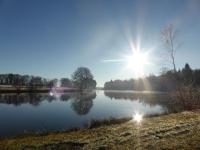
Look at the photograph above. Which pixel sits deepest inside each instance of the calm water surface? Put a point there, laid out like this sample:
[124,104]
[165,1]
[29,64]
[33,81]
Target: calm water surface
[21,113]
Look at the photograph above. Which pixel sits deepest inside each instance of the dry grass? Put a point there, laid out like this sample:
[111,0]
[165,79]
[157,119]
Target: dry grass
[174,131]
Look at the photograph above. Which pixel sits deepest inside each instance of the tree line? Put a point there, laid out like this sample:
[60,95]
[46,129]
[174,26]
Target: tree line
[166,81]
[82,78]
[24,80]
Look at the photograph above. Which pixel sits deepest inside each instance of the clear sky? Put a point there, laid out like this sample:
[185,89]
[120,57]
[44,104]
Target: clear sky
[51,38]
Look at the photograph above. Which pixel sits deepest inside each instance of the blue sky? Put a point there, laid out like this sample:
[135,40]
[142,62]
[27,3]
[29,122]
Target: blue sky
[51,38]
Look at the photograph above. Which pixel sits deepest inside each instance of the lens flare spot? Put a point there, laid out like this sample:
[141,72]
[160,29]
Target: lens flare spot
[51,93]
[137,117]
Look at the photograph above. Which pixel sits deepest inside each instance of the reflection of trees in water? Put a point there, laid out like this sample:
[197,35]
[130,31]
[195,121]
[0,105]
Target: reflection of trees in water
[151,99]
[83,102]
[65,97]
[21,98]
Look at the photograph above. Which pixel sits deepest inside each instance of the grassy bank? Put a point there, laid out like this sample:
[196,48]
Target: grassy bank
[174,131]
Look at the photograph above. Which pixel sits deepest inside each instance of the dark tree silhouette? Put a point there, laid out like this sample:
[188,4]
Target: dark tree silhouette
[187,75]
[65,82]
[18,81]
[83,79]
[167,81]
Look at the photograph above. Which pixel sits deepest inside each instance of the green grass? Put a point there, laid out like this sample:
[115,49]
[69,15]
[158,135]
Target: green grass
[174,131]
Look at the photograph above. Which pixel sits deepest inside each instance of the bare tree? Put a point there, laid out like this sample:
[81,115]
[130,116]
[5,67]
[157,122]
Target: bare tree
[169,35]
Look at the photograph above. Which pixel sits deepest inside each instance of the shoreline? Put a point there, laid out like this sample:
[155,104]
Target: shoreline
[93,124]
[28,89]
[173,131]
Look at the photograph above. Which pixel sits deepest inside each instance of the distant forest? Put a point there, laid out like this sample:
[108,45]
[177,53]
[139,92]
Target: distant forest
[18,80]
[82,78]
[28,80]
[167,81]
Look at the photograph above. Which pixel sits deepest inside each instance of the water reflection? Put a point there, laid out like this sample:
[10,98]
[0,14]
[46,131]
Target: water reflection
[39,111]
[65,97]
[83,102]
[22,98]
[150,99]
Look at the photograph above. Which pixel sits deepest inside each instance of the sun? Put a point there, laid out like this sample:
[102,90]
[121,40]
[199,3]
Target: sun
[137,62]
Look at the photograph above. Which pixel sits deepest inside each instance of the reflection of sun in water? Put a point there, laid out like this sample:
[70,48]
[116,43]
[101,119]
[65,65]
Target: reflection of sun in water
[137,62]
[137,117]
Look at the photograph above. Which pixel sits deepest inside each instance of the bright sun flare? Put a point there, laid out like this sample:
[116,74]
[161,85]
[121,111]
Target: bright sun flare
[137,117]
[136,62]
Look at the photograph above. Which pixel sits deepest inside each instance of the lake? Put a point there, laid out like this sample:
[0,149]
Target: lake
[33,112]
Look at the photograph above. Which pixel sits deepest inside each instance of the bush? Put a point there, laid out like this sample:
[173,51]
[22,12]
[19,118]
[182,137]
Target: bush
[188,97]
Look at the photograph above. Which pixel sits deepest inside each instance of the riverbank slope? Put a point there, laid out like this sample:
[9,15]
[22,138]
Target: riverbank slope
[174,131]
